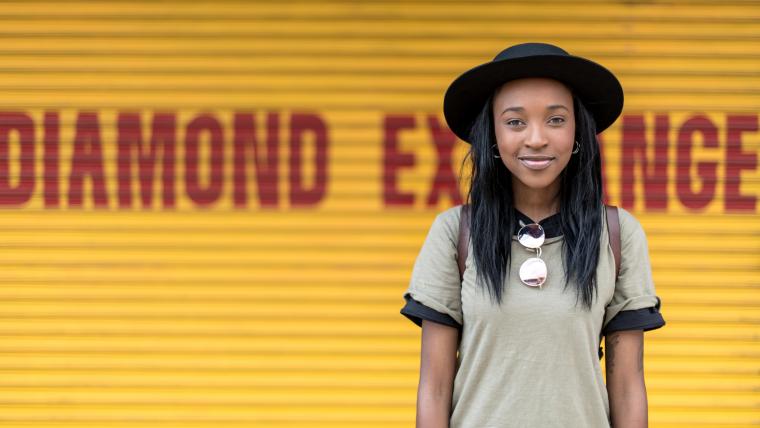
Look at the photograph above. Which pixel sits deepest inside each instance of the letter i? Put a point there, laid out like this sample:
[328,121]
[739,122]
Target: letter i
[50,175]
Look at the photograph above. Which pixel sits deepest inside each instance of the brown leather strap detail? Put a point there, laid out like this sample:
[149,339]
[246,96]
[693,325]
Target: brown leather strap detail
[464,238]
[613,225]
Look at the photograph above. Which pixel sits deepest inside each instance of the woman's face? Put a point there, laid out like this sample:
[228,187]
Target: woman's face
[535,131]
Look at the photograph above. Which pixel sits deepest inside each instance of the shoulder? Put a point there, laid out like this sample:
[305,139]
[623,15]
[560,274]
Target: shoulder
[446,225]
[633,238]
[630,227]
[447,221]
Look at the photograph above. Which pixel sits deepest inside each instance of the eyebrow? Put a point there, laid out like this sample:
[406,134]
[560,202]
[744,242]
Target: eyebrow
[521,109]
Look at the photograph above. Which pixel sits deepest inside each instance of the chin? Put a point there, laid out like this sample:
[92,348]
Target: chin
[537,184]
[540,186]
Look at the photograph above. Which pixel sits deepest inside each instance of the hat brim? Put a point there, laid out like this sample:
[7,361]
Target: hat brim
[597,87]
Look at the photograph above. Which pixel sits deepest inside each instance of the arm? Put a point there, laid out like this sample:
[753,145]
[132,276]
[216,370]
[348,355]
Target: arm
[437,368]
[624,365]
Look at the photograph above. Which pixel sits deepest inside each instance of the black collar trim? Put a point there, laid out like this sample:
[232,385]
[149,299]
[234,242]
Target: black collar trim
[552,226]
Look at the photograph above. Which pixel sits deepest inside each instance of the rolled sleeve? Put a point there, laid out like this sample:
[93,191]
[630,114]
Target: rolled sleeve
[634,304]
[638,319]
[417,312]
[434,282]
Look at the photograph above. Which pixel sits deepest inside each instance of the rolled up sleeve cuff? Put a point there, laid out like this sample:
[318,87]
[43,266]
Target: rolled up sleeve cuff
[639,319]
[416,312]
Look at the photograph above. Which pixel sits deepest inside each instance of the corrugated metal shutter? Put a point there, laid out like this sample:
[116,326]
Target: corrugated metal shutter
[281,308]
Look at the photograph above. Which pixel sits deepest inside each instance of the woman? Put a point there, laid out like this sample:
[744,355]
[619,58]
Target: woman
[514,343]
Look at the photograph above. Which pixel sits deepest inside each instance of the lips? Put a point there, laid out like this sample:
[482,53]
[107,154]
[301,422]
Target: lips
[536,162]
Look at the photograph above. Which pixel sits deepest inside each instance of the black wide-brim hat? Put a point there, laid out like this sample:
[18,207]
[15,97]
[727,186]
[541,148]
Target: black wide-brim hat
[596,86]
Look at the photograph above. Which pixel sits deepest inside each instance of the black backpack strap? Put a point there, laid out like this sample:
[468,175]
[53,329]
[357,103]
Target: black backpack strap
[464,237]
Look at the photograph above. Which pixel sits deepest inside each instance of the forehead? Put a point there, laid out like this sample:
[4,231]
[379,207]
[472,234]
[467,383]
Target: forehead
[532,88]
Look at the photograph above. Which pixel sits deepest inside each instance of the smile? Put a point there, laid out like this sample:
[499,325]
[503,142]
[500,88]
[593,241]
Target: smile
[536,164]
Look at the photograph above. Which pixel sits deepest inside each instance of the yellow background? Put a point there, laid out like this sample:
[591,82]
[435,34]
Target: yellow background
[288,317]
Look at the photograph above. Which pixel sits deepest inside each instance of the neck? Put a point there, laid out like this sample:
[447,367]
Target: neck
[536,203]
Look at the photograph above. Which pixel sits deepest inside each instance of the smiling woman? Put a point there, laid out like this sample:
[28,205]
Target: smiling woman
[513,341]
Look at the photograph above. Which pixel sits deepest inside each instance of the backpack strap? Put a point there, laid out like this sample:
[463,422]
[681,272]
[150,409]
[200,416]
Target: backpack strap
[613,226]
[464,238]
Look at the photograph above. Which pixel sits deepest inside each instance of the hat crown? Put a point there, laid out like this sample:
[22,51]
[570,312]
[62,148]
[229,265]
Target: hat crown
[529,49]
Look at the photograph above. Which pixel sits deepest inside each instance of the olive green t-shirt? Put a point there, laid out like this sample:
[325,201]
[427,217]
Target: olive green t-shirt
[533,361]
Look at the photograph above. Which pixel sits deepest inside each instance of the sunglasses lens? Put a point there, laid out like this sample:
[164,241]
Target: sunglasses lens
[531,235]
[533,272]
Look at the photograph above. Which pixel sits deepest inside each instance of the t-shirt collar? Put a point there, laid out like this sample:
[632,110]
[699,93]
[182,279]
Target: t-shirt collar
[551,224]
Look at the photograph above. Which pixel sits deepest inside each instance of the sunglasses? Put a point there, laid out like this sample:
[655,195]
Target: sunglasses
[533,270]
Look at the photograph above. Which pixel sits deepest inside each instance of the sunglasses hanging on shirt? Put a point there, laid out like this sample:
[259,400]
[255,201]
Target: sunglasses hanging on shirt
[533,270]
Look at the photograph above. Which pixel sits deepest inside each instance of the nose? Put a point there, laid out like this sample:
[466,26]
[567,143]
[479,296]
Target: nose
[536,137]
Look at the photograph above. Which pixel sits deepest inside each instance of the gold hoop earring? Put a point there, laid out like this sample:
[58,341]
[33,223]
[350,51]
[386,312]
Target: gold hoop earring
[577,146]
[497,150]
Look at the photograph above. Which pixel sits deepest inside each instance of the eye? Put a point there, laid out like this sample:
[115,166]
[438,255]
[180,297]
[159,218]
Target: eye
[514,122]
[557,120]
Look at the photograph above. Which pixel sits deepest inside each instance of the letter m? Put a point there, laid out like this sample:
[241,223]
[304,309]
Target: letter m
[131,148]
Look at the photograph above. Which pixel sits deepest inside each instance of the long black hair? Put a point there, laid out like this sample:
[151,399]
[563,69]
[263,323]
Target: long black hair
[492,220]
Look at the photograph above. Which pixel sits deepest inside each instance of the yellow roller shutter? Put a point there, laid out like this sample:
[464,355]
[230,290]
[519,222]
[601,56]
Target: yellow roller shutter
[210,210]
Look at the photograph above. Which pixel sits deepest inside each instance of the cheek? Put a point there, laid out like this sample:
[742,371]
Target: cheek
[508,144]
[569,137]
[564,143]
